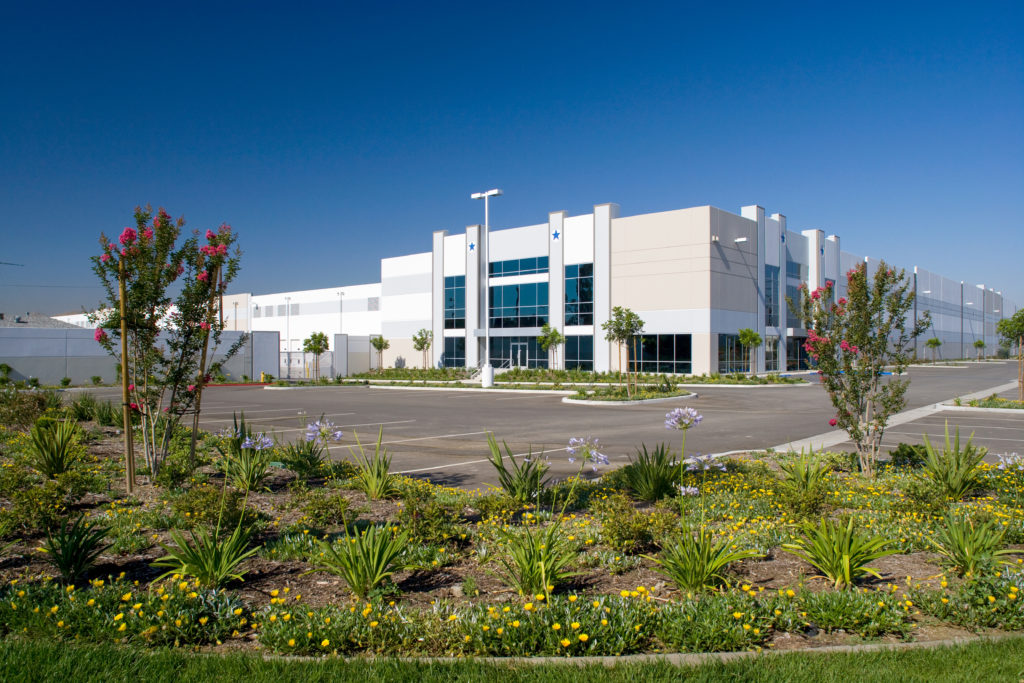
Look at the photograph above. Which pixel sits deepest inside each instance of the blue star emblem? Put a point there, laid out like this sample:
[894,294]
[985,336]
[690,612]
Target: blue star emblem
[555,234]
[471,246]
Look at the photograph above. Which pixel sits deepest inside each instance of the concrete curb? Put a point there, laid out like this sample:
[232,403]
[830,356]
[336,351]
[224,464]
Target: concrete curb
[972,409]
[548,392]
[835,437]
[681,659]
[583,402]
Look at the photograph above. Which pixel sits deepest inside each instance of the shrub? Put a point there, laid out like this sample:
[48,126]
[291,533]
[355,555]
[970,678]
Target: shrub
[20,409]
[840,554]
[65,381]
[364,561]
[374,477]
[73,548]
[39,507]
[425,519]
[55,447]
[652,476]
[697,561]
[623,527]
[908,455]
[967,547]
[954,470]
[523,480]
[323,508]
[305,459]
[96,380]
[205,504]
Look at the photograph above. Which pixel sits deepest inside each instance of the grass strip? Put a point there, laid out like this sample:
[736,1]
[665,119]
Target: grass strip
[983,660]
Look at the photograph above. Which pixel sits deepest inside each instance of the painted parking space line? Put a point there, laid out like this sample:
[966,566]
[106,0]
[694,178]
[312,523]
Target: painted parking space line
[468,462]
[291,416]
[440,436]
[352,426]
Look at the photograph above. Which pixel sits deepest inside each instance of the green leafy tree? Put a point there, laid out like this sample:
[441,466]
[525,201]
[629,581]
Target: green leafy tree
[168,338]
[750,340]
[315,344]
[550,339]
[380,345]
[1012,332]
[853,341]
[421,342]
[624,328]
[934,343]
[980,345]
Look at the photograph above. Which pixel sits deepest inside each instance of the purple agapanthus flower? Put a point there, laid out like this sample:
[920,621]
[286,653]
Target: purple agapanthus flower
[1010,461]
[682,418]
[586,450]
[323,430]
[258,442]
[703,463]
[689,491]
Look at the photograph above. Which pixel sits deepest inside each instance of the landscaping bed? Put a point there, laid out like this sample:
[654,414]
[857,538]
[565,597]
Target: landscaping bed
[621,554]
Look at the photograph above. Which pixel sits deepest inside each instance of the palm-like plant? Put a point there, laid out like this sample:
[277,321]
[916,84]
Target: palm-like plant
[207,557]
[521,481]
[54,446]
[536,559]
[839,553]
[970,548]
[697,561]
[374,477]
[73,548]
[954,470]
[652,475]
[364,560]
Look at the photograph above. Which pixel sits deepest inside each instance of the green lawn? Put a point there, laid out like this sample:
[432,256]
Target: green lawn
[1001,660]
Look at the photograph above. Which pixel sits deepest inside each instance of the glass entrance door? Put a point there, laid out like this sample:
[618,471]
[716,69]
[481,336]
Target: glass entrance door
[518,355]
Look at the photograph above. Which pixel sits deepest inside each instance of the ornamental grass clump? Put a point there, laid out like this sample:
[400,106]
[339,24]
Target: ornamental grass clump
[73,548]
[839,553]
[536,560]
[954,470]
[206,556]
[697,561]
[304,458]
[970,548]
[373,476]
[521,481]
[55,447]
[364,560]
[803,484]
[652,475]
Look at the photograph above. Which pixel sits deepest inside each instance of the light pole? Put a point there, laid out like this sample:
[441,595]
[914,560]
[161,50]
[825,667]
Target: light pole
[288,334]
[487,377]
[961,318]
[236,316]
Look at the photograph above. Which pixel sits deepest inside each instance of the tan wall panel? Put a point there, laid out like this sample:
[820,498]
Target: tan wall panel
[403,348]
[660,260]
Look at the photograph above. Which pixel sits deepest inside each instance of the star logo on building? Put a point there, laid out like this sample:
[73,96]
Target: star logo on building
[471,246]
[554,234]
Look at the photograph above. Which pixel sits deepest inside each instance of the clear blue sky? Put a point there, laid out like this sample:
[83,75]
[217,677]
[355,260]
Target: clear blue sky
[333,134]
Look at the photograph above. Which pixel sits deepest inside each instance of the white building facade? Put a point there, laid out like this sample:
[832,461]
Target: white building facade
[695,276]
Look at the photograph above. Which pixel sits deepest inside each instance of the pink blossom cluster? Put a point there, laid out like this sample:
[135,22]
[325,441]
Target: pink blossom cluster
[203,276]
[128,235]
[214,249]
[100,334]
[847,346]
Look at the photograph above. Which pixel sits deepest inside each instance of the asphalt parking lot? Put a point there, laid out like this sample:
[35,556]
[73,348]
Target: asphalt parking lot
[442,435]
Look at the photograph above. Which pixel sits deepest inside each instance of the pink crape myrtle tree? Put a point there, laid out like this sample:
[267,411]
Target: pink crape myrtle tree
[172,319]
[861,345]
